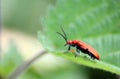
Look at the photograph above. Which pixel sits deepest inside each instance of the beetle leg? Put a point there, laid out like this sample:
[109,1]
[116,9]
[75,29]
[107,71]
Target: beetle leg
[91,56]
[69,48]
[75,55]
[77,50]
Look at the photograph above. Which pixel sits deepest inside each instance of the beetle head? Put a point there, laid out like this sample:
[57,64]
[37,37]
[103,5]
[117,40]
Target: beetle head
[68,43]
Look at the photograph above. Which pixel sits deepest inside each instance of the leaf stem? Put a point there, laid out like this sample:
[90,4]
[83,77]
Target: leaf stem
[21,68]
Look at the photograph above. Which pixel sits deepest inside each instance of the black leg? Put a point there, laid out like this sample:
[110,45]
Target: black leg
[69,48]
[92,57]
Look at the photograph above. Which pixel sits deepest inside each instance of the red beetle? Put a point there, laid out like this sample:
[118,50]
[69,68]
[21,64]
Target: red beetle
[80,46]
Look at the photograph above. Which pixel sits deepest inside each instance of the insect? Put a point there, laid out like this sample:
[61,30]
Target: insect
[80,46]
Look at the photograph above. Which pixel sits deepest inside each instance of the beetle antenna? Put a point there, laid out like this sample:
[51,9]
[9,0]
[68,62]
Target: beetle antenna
[64,34]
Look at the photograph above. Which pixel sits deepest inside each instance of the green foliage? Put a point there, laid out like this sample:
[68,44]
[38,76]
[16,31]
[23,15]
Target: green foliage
[30,74]
[11,60]
[92,21]
[66,72]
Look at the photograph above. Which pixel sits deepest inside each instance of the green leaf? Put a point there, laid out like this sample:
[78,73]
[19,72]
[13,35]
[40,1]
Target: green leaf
[11,60]
[91,63]
[94,22]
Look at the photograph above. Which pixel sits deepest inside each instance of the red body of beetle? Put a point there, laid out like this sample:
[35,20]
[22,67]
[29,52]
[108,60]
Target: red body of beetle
[80,46]
[85,48]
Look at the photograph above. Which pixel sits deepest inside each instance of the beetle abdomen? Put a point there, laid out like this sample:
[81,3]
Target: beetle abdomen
[87,49]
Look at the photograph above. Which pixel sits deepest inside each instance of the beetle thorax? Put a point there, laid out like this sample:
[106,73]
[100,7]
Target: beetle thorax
[69,42]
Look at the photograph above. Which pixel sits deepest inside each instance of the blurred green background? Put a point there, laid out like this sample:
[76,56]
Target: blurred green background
[24,16]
